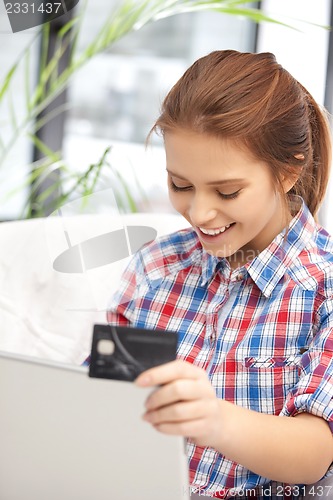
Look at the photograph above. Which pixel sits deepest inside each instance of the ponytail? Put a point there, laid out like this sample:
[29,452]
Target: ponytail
[313,181]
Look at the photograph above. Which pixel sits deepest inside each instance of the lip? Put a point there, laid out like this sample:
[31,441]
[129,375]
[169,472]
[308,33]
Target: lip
[213,238]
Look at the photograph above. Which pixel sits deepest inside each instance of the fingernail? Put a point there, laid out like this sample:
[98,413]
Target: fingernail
[144,380]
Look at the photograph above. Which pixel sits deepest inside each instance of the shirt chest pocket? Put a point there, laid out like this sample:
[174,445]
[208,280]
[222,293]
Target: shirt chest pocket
[271,362]
[270,378]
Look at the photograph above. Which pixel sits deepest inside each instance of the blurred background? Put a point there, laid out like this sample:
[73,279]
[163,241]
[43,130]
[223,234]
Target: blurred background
[79,96]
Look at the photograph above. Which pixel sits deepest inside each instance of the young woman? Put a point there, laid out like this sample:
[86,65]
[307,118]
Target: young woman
[248,287]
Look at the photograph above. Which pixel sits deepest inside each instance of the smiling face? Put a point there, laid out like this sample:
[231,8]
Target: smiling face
[226,195]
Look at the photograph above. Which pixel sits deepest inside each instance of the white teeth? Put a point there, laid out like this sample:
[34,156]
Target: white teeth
[214,232]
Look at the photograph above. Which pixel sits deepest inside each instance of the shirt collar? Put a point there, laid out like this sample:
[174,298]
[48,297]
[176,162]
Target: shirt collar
[272,264]
[209,265]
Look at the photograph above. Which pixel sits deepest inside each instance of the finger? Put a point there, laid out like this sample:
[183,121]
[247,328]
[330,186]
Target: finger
[179,390]
[194,430]
[168,372]
[180,412]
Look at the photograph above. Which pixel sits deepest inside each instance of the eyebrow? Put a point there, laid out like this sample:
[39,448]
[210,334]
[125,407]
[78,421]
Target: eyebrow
[212,183]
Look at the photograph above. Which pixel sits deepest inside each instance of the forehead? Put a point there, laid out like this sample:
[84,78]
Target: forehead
[191,153]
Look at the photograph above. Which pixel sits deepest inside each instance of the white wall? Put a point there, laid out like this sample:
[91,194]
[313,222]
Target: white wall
[303,53]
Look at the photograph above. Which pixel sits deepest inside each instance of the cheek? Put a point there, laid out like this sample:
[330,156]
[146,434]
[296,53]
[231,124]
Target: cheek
[178,202]
[258,204]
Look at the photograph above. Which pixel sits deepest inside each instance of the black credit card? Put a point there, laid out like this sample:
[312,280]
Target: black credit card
[122,353]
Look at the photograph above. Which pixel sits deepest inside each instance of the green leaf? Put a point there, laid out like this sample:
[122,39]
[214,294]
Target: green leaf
[128,195]
[218,6]
[8,78]
[41,92]
[228,7]
[37,172]
[27,78]
[12,113]
[68,26]
[49,117]
[43,148]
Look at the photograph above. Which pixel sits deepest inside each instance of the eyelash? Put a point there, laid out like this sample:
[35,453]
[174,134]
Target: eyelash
[230,196]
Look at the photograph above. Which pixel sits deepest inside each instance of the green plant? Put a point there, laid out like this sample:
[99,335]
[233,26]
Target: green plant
[128,16]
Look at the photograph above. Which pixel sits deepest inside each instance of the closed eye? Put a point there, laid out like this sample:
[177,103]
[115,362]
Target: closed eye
[176,188]
[229,196]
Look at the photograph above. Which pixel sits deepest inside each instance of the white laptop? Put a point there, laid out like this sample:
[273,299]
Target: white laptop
[65,436]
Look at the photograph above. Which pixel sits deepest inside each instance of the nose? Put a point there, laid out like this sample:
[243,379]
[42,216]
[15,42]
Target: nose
[202,210]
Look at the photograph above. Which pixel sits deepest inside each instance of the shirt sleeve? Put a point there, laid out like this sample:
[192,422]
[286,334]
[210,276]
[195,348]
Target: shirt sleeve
[314,391]
[133,283]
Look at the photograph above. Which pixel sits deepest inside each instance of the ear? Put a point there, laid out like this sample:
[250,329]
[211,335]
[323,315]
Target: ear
[289,181]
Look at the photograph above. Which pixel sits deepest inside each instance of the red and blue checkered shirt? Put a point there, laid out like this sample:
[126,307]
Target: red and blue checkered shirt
[263,332]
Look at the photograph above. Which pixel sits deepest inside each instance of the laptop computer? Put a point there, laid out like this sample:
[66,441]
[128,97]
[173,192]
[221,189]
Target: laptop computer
[65,436]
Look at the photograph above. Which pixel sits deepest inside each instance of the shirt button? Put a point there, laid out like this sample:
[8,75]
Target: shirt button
[239,277]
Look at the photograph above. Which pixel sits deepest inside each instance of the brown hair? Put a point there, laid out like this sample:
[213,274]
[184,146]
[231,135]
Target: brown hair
[252,99]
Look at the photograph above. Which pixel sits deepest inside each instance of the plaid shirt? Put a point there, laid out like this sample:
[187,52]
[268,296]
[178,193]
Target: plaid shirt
[263,332]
